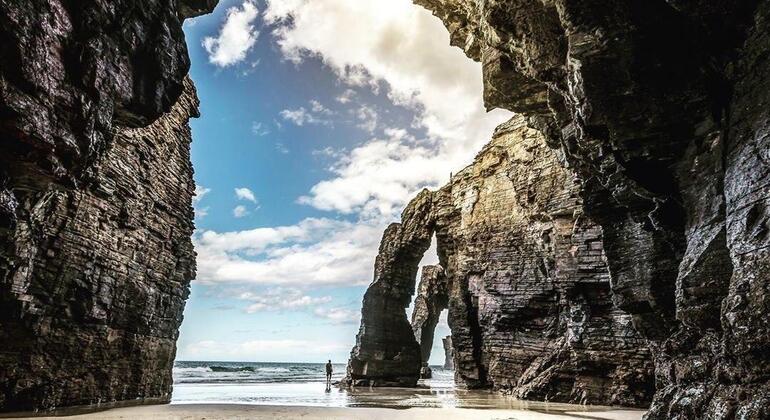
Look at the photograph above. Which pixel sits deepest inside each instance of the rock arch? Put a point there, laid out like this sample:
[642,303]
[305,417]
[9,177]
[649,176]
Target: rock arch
[522,274]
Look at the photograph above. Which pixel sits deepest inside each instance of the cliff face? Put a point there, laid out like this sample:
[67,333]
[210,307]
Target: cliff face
[660,110]
[95,199]
[528,291]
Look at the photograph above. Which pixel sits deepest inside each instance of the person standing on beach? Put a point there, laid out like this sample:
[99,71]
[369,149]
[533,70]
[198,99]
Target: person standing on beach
[329,373]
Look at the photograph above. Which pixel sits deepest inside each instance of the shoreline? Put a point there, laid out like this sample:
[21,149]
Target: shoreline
[212,411]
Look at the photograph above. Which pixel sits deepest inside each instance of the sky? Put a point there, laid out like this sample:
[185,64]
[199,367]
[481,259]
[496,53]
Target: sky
[320,120]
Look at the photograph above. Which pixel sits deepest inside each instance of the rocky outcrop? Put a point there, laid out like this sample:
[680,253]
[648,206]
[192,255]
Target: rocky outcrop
[447,342]
[660,110]
[529,299]
[95,284]
[95,199]
[386,352]
[432,298]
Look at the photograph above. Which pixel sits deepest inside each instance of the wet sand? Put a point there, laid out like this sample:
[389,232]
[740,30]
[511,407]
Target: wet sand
[236,411]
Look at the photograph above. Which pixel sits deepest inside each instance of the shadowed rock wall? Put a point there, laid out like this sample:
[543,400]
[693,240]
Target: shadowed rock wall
[432,298]
[660,109]
[95,199]
[386,352]
[528,291]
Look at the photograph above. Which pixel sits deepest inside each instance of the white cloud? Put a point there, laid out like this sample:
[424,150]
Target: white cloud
[339,315]
[370,43]
[346,96]
[279,299]
[318,107]
[368,118]
[240,211]
[236,36]
[259,129]
[311,253]
[244,193]
[200,192]
[302,116]
[377,178]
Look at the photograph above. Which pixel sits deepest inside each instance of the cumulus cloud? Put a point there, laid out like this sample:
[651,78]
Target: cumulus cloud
[395,42]
[312,252]
[301,116]
[244,193]
[370,43]
[377,178]
[236,36]
[319,108]
[279,299]
[367,118]
[346,96]
[240,211]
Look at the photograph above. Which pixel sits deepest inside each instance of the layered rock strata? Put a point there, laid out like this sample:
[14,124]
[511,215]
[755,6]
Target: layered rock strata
[386,351]
[432,298]
[95,199]
[528,292]
[660,109]
[97,279]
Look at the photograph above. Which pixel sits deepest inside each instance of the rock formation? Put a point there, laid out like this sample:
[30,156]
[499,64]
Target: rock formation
[447,342]
[95,199]
[528,292]
[660,109]
[432,298]
[386,352]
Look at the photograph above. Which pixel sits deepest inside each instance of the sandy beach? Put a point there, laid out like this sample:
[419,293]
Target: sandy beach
[241,411]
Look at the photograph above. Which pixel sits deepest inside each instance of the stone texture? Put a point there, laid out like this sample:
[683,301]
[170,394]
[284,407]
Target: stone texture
[95,282]
[73,69]
[660,109]
[386,352]
[95,199]
[529,299]
[432,298]
[447,342]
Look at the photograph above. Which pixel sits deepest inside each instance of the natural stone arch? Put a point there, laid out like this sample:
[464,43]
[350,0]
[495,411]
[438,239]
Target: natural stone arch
[523,278]
[386,352]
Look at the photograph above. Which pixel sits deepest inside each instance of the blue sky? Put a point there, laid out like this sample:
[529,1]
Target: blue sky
[319,121]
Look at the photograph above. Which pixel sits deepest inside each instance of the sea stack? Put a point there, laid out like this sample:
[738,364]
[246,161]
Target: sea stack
[448,363]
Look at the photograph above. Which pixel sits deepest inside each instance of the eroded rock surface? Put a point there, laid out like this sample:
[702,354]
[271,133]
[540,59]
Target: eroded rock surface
[95,199]
[528,291]
[95,279]
[660,109]
[386,352]
[432,298]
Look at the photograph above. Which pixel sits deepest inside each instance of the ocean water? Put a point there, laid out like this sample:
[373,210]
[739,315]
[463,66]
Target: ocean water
[305,384]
